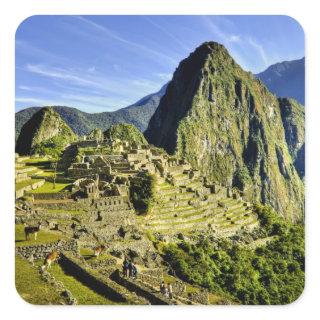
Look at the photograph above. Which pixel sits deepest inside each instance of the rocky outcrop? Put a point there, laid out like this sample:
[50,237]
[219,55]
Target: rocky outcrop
[226,123]
[292,114]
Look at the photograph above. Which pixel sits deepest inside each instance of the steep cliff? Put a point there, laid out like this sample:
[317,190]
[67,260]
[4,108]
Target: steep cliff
[228,125]
[292,114]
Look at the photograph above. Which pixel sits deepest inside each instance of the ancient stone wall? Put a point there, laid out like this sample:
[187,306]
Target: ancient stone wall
[36,252]
[20,192]
[96,281]
[51,196]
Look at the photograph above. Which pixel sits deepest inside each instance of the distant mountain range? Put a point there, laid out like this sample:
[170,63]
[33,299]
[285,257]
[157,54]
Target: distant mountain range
[286,79]
[82,123]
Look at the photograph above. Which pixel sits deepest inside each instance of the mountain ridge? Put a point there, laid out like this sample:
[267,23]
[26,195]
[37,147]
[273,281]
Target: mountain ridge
[83,123]
[286,79]
[227,124]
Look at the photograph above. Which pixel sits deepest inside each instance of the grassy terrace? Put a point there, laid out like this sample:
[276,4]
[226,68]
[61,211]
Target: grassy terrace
[48,187]
[88,254]
[44,236]
[31,287]
[26,183]
[81,292]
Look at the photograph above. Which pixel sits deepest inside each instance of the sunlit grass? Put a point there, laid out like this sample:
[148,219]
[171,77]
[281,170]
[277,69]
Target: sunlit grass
[43,237]
[49,187]
[31,287]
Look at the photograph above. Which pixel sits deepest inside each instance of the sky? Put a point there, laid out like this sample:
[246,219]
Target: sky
[103,63]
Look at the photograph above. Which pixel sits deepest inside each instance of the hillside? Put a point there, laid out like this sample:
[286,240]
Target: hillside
[45,133]
[285,79]
[229,126]
[292,114]
[125,132]
[82,123]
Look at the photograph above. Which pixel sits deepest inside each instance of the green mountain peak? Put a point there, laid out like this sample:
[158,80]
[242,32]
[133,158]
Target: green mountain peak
[229,126]
[45,133]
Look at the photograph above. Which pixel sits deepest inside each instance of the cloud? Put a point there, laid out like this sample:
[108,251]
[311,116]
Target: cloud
[130,44]
[259,48]
[33,101]
[226,37]
[169,34]
[26,48]
[27,88]
[84,102]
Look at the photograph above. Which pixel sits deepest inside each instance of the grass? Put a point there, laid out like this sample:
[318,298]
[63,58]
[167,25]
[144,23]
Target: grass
[48,187]
[88,254]
[35,160]
[43,237]
[82,293]
[25,183]
[31,287]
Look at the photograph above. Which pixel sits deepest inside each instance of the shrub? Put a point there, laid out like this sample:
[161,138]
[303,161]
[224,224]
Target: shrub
[142,192]
[272,274]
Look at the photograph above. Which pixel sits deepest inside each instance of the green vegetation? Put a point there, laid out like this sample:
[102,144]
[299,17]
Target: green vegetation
[213,298]
[26,183]
[242,178]
[49,187]
[43,236]
[82,293]
[52,147]
[125,132]
[142,189]
[96,134]
[221,118]
[45,134]
[82,123]
[293,115]
[270,274]
[31,287]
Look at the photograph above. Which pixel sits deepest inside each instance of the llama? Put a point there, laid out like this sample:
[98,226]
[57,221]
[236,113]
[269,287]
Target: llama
[99,250]
[50,258]
[32,230]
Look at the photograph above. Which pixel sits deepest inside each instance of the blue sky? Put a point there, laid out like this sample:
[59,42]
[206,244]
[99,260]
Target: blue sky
[103,63]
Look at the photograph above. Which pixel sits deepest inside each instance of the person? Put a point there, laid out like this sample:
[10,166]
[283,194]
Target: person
[130,269]
[166,291]
[170,291]
[134,271]
[162,286]
[125,267]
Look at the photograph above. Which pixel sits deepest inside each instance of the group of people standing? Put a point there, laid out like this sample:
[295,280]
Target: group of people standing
[129,269]
[166,290]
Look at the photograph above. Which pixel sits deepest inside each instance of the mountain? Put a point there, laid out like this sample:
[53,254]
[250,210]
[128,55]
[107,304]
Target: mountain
[125,132]
[285,79]
[83,123]
[45,133]
[292,114]
[227,124]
